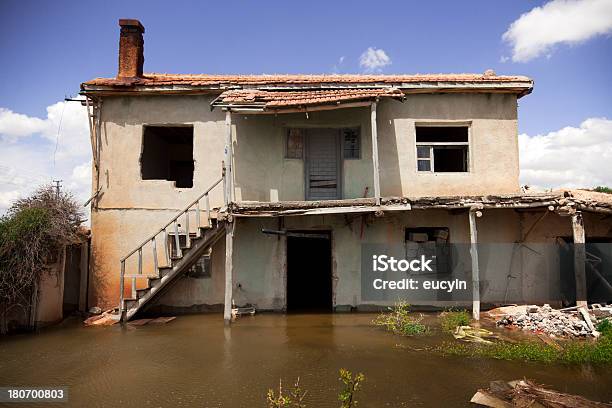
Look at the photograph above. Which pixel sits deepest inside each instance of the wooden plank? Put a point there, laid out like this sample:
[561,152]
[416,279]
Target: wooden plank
[139,322]
[374,131]
[579,259]
[229,249]
[162,320]
[475,267]
[228,158]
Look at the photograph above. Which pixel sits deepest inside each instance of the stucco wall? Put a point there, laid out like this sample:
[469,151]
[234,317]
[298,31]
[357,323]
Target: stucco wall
[129,208]
[260,260]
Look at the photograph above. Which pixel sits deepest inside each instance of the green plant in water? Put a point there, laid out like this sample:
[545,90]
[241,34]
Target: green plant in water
[452,318]
[400,321]
[352,384]
[603,189]
[605,327]
[294,399]
[573,352]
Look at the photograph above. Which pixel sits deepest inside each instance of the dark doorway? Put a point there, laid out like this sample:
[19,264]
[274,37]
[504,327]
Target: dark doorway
[309,271]
[72,279]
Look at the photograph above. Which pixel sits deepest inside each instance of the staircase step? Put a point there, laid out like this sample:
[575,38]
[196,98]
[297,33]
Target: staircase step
[178,267]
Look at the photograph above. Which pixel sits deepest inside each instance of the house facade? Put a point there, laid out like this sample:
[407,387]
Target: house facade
[219,190]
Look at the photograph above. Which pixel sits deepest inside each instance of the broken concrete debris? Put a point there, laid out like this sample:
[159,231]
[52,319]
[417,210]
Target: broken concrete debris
[243,311]
[95,310]
[573,322]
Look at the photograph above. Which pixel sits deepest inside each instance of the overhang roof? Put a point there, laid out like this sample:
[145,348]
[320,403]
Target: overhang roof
[184,83]
[564,202]
[272,101]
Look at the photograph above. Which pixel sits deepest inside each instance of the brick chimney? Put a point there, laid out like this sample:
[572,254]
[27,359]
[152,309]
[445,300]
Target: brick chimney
[131,49]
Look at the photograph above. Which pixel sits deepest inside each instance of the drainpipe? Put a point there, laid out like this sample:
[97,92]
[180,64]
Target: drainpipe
[374,131]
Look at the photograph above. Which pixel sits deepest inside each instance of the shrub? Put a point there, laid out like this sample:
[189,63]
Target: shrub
[400,321]
[451,318]
[603,189]
[31,234]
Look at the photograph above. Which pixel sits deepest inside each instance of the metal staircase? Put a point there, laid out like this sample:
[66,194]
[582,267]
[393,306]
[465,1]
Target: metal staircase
[178,254]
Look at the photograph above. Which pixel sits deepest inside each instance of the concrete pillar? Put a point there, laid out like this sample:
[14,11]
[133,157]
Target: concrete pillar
[475,268]
[579,259]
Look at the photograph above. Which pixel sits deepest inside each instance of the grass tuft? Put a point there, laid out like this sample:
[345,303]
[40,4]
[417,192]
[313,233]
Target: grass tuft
[574,352]
[452,318]
[400,321]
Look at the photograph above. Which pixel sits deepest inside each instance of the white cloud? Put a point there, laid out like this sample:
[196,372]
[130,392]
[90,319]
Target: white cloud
[374,59]
[14,125]
[569,157]
[536,32]
[28,155]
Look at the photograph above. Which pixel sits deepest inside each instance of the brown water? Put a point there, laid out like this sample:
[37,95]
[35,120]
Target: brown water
[196,361]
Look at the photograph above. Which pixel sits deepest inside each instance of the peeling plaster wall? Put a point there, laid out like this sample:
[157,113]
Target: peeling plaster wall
[129,208]
[493,150]
[260,259]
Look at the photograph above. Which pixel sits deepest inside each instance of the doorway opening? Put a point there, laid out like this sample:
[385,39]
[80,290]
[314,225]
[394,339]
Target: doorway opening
[309,271]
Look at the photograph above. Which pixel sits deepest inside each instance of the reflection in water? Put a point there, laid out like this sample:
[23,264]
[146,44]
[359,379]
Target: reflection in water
[197,361]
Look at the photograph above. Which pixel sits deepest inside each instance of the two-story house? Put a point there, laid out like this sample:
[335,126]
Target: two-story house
[214,190]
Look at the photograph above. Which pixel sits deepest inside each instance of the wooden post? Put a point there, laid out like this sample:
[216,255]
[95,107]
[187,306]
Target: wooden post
[229,185]
[375,153]
[229,250]
[579,259]
[475,270]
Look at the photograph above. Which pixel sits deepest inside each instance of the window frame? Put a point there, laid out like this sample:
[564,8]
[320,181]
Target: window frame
[286,131]
[357,130]
[432,145]
[143,129]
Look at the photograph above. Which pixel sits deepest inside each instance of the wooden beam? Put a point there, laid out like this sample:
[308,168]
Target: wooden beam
[229,270]
[374,131]
[228,158]
[579,259]
[475,269]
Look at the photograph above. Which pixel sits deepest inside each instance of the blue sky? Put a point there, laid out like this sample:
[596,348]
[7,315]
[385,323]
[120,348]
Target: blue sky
[48,48]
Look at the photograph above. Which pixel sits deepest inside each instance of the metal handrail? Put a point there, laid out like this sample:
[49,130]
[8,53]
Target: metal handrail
[197,200]
[163,229]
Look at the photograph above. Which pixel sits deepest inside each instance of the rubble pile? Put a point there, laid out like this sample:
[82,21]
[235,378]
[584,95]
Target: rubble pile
[545,319]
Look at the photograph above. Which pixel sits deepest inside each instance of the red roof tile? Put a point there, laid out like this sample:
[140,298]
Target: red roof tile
[254,80]
[300,98]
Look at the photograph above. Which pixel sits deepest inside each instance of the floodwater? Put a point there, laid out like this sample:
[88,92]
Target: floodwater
[196,361]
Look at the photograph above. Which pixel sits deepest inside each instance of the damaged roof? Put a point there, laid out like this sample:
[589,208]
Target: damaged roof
[183,83]
[273,100]
[560,201]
